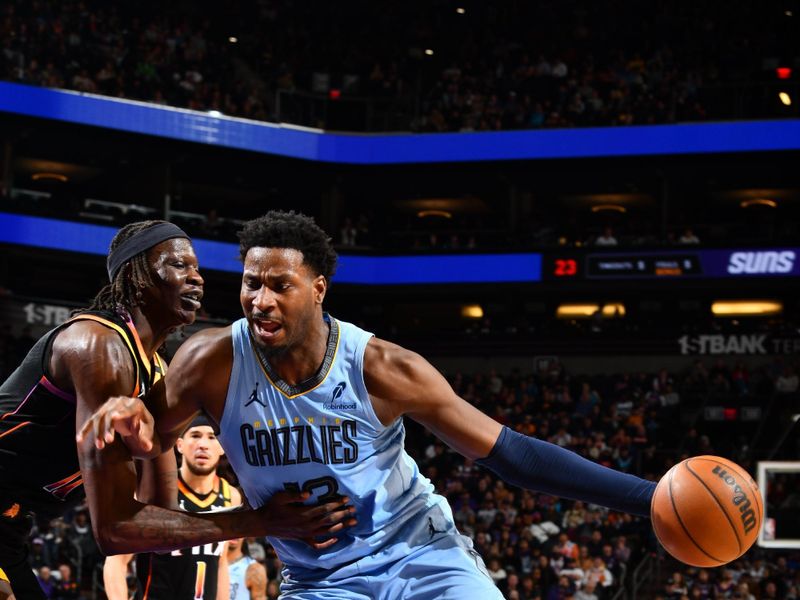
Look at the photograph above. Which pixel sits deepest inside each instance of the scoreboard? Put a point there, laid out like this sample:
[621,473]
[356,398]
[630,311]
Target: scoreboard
[671,264]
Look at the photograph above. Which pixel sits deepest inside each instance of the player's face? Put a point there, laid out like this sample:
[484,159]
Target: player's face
[280,297]
[235,545]
[178,285]
[201,450]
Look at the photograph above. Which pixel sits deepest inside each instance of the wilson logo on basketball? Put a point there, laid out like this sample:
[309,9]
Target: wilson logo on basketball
[740,499]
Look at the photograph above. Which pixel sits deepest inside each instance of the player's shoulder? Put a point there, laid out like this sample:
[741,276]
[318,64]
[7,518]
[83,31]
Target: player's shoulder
[106,342]
[83,332]
[381,353]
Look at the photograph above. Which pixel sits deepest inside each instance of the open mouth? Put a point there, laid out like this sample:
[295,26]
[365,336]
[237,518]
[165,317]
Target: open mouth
[266,328]
[192,299]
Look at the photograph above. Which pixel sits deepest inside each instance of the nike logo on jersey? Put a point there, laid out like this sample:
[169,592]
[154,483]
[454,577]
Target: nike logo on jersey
[281,446]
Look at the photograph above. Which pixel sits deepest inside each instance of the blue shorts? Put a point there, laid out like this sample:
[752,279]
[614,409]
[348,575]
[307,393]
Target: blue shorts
[448,568]
[426,559]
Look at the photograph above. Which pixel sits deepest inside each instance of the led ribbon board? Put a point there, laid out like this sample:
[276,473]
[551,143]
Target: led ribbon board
[384,149]
[222,256]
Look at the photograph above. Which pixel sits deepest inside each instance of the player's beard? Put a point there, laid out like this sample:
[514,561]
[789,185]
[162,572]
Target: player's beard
[201,471]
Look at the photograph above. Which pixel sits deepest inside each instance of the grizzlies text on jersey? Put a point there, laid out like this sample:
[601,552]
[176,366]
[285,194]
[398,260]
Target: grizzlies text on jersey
[323,437]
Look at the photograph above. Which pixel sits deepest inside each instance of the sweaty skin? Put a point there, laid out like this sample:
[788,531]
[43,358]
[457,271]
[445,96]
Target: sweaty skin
[121,523]
[282,299]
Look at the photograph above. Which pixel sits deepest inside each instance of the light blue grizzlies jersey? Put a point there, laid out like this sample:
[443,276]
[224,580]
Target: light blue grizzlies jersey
[324,437]
[237,572]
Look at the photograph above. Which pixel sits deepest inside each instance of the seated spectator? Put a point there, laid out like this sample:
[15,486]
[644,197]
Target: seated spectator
[787,382]
[561,590]
[67,588]
[348,234]
[598,574]
[587,592]
[48,584]
[688,237]
[496,570]
[606,238]
[676,586]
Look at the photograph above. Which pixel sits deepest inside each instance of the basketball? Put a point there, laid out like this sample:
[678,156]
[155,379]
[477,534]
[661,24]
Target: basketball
[707,511]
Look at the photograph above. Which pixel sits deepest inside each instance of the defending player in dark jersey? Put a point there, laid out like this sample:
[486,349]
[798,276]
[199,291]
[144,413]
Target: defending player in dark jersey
[192,573]
[110,350]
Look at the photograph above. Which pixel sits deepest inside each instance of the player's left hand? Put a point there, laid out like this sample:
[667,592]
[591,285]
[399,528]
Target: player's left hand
[127,416]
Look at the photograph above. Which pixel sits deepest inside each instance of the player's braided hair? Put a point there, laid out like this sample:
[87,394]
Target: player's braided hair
[282,229]
[125,291]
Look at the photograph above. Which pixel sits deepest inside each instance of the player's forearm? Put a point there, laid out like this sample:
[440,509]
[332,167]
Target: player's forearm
[152,528]
[543,467]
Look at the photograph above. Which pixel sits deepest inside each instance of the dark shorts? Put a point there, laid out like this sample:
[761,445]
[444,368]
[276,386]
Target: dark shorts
[15,526]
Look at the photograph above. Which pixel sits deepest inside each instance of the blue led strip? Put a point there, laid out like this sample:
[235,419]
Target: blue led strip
[220,256]
[310,144]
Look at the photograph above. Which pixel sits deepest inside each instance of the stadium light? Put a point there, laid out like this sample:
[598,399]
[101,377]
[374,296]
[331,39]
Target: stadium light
[47,176]
[584,311]
[472,311]
[428,51]
[785,98]
[609,207]
[758,202]
[233,39]
[461,11]
[745,308]
[445,214]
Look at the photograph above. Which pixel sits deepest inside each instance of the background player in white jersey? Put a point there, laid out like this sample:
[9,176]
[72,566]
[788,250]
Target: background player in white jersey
[248,577]
[309,403]
[192,573]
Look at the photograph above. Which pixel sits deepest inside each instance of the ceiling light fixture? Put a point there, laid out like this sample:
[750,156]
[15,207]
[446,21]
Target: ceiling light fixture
[47,176]
[758,202]
[609,207]
[435,213]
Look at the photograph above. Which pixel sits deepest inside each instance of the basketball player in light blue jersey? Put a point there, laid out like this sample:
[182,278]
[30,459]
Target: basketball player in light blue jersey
[308,403]
[248,577]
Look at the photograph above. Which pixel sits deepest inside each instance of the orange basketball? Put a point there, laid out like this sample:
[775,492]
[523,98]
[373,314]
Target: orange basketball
[707,511]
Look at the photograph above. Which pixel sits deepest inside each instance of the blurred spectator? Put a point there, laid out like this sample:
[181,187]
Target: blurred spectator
[48,584]
[688,237]
[606,238]
[67,588]
[348,234]
[787,382]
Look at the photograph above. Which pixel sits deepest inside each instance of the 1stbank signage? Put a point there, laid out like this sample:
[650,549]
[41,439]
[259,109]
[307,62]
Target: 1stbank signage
[757,343]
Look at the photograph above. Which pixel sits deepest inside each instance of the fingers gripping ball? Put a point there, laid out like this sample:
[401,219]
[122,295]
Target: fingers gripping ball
[707,511]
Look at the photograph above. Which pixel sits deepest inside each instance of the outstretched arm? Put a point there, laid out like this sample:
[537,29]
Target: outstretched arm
[402,382]
[115,574]
[121,523]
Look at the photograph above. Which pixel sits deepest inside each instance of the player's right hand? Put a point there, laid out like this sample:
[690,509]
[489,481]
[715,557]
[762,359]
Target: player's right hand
[288,517]
[127,416]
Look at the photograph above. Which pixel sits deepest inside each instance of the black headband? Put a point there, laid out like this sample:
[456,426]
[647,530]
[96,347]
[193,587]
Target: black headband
[139,242]
[199,421]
